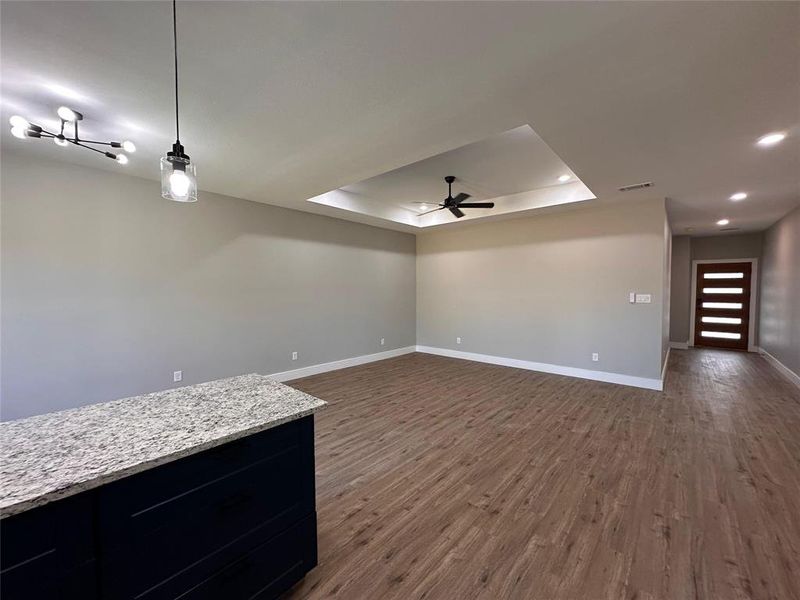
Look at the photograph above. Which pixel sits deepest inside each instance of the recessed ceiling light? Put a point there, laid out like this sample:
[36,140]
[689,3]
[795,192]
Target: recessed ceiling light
[723,222]
[771,138]
[564,178]
[739,196]
[423,207]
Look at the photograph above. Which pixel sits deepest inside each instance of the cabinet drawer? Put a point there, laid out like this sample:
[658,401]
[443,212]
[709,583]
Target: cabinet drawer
[141,504]
[48,552]
[152,536]
[266,571]
[79,583]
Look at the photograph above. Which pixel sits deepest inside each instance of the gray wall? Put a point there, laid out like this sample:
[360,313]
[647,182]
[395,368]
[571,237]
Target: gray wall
[551,289]
[780,291]
[680,289]
[686,249]
[745,245]
[107,289]
[666,290]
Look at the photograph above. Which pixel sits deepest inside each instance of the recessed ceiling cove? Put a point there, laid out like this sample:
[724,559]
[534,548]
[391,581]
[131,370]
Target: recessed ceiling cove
[514,169]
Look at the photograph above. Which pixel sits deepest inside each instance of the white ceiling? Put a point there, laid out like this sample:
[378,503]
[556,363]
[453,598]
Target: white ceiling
[515,169]
[282,102]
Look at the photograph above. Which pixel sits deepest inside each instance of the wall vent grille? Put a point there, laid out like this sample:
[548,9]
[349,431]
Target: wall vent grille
[636,186]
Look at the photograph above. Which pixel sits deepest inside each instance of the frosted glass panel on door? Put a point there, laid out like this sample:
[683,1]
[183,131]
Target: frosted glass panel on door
[726,305]
[722,290]
[723,276]
[721,334]
[726,320]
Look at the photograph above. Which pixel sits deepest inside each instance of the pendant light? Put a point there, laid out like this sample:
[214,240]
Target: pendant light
[178,178]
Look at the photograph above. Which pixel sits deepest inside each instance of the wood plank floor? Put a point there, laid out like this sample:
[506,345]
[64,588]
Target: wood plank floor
[442,478]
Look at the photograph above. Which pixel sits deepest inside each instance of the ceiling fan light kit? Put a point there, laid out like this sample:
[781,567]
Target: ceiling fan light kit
[22,128]
[454,205]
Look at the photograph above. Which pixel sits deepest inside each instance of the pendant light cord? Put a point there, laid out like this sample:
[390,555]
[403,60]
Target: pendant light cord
[175,46]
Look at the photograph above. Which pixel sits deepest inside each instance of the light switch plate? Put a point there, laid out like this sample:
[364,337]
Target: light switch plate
[643,298]
[632,297]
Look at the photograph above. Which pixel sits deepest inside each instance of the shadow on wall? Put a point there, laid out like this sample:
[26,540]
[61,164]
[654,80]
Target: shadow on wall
[570,223]
[108,288]
[134,220]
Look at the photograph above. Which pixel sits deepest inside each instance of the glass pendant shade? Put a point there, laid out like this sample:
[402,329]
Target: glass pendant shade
[178,179]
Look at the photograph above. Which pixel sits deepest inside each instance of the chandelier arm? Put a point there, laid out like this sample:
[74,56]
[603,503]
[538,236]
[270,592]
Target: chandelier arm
[99,143]
[40,129]
[80,143]
[48,132]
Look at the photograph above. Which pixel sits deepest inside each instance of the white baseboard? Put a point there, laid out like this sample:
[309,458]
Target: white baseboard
[679,345]
[641,382]
[781,368]
[340,364]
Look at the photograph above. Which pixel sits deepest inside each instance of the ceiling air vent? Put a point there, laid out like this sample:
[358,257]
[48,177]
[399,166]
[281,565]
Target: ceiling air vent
[636,186]
[730,229]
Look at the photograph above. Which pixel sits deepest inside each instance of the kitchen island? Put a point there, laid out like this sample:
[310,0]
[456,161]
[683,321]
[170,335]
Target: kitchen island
[205,491]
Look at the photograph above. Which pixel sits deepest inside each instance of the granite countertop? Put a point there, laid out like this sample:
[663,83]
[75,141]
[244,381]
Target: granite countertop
[52,456]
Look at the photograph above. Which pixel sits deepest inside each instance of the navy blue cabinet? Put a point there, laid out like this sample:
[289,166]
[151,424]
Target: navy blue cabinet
[49,552]
[235,521]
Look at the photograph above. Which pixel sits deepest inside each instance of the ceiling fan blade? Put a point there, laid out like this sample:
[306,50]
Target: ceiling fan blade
[456,212]
[477,205]
[427,212]
[460,198]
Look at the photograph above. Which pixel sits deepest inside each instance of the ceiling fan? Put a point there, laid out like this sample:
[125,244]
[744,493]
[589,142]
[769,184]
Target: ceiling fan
[454,205]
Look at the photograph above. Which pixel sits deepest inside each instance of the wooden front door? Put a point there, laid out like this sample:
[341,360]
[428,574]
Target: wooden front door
[722,312]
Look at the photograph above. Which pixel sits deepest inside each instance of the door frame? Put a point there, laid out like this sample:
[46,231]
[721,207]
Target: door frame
[751,329]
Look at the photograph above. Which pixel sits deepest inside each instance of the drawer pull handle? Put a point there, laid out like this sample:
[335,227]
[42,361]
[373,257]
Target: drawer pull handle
[234,501]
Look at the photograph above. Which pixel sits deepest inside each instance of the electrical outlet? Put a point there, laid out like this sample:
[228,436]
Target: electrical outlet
[595,356]
[294,355]
[643,298]
[177,376]
[383,341]
[458,340]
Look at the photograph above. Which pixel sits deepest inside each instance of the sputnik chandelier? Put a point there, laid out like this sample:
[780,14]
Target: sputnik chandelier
[22,128]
